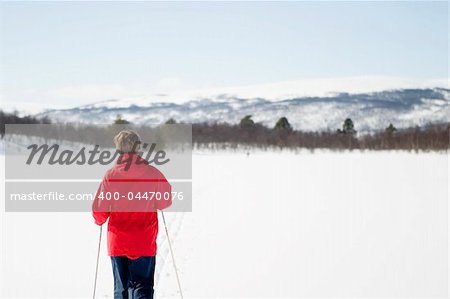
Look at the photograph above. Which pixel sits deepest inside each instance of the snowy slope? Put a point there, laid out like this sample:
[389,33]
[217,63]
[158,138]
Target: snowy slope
[370,111]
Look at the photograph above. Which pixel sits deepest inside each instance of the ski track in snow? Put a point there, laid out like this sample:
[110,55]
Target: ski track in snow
[164,259]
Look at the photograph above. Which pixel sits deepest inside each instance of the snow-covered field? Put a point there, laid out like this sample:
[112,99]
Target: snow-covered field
[270,224]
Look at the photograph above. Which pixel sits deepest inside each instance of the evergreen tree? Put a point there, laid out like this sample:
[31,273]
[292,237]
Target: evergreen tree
[120,121]
[283,123]
[171,121]
[347,127]
[391,129]
[247,121]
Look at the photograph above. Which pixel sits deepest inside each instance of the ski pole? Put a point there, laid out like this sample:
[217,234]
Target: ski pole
[173,256]
[98,257]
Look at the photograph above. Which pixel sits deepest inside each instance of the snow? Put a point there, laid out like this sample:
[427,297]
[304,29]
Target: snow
[267,224]
[372,111]
[277,91]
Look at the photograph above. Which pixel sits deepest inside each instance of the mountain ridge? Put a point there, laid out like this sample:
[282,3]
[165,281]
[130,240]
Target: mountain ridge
[370,111]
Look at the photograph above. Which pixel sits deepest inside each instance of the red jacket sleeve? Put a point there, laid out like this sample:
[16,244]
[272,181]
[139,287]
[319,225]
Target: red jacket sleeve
[163,188]
[100,208]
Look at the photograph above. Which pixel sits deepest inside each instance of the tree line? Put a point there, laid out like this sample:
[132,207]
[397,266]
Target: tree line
[281,135]
[14,118]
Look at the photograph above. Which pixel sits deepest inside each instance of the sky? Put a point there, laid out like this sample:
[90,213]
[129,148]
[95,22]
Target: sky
[66,54]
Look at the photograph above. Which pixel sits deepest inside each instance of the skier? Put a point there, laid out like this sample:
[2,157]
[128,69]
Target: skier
[133,222]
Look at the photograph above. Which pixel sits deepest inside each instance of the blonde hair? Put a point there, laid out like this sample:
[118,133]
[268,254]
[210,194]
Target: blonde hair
[127,141]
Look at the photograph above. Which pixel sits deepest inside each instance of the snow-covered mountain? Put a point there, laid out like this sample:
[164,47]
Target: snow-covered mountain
[370,111]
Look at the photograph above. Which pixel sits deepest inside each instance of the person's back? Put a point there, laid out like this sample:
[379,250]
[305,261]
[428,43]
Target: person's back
[130,194]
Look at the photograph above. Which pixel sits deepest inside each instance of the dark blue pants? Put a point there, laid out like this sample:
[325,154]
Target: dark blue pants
[133,279]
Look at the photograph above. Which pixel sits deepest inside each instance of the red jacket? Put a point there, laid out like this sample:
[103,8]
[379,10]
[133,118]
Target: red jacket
[128,196]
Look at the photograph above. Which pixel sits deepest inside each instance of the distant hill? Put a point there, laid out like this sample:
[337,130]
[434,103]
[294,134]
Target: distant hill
[370,111]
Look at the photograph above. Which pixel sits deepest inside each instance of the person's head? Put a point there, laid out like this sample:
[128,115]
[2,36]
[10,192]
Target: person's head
[127,141]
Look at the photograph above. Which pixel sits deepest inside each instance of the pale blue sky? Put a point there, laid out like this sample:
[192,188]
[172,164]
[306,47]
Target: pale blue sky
[66,54]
